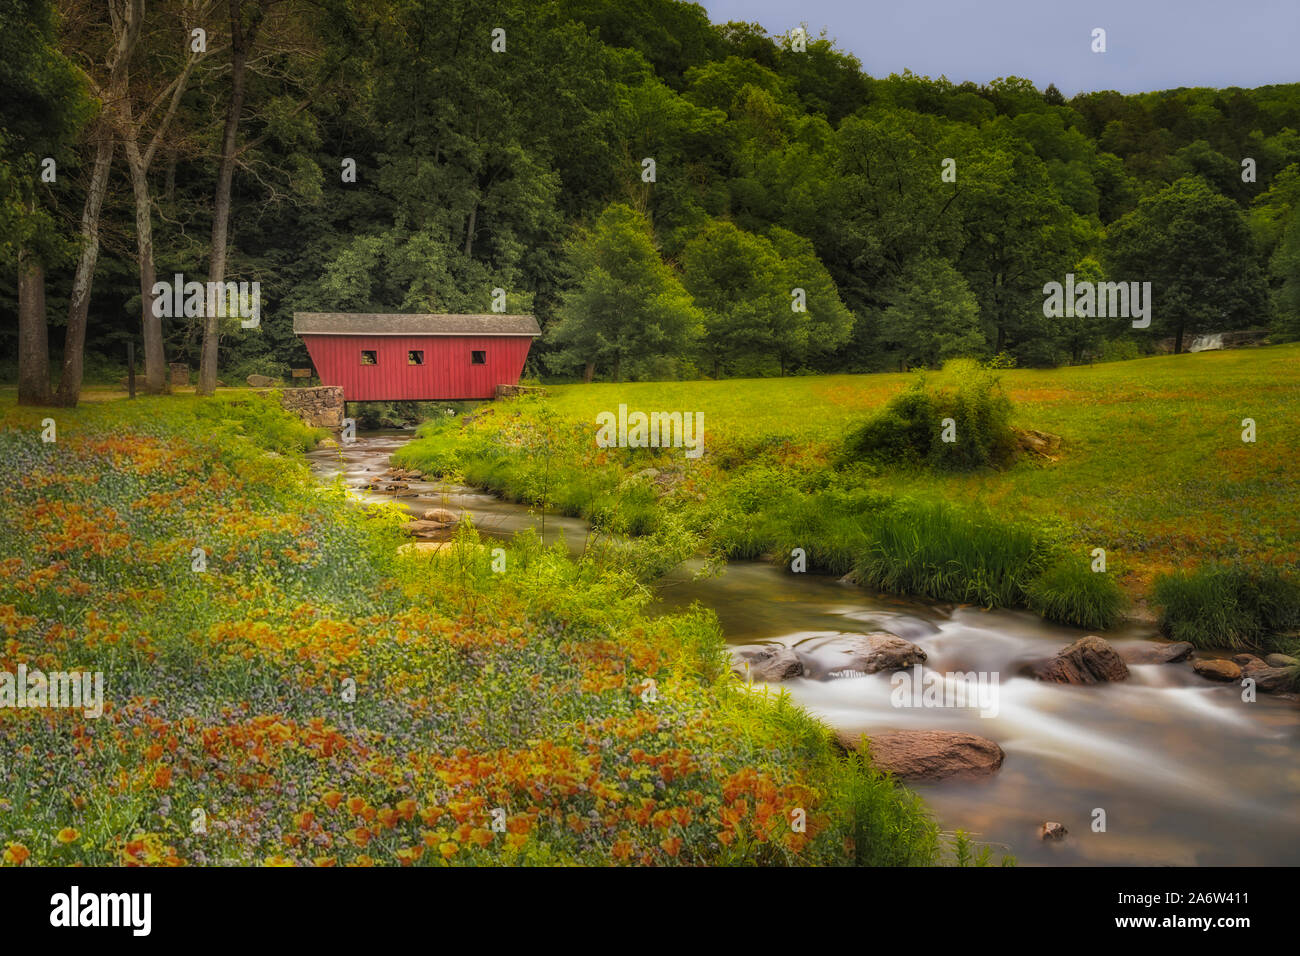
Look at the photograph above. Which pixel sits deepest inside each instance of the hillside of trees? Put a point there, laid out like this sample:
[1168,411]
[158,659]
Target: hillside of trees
[671,197]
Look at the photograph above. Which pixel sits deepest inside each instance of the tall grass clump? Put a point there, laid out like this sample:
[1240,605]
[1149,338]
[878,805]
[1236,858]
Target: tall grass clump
[908,431]
[832,526]
[1070,592]
[935,551]
[1227,606]
[888,825]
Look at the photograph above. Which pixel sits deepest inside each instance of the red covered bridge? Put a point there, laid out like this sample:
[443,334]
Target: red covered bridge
[395,357]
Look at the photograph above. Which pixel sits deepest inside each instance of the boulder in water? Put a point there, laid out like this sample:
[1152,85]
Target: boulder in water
[1281,660]
[1217,669]
[442,515]
[1089,660]
[1270,680]
[875,652]
[770,663]
[929,754]
[1051,830]
[426,529]
[1155,652]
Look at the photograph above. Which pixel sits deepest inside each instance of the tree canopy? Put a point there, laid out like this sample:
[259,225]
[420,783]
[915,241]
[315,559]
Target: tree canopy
[413,155]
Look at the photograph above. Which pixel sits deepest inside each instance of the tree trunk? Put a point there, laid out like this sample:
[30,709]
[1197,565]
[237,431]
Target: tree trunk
[589,373]
[618,365]
[155,361]
[74,339]
[221,201]
[469,231]
[33,332]
[1178,340]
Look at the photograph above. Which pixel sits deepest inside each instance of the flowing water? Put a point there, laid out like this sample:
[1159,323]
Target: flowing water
[1184,770]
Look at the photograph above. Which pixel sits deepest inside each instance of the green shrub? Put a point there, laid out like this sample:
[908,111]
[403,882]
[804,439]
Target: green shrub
[1070,592]
[909,429]
[631,509]
[1223,606]
[756,488]
[901,433]
[258,418]
[1119,350]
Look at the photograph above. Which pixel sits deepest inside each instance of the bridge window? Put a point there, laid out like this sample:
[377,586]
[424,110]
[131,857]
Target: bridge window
[415,357]
[369,357]
[477,358]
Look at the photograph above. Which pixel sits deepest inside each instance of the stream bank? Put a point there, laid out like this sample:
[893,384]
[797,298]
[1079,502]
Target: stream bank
[1185,772]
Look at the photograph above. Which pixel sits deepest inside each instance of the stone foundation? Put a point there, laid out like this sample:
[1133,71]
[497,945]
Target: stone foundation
[319,407]
[510,391]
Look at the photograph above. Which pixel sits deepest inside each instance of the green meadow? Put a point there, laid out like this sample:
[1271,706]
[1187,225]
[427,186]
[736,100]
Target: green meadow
[1152,463]
[1152,468]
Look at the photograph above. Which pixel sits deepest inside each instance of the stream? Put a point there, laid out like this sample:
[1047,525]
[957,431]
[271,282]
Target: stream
[1186,772]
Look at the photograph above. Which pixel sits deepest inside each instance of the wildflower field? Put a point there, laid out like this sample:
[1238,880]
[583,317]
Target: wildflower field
[281,687]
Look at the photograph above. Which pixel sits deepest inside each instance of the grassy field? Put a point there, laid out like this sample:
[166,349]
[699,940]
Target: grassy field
[1152,467]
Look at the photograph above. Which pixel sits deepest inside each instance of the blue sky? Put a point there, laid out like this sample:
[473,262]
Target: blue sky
[1151,44]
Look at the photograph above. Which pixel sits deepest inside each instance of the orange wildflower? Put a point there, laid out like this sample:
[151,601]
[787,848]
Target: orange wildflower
[411,855]
[16,854]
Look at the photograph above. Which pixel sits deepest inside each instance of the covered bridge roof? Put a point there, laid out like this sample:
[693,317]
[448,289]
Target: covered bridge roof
[397,323]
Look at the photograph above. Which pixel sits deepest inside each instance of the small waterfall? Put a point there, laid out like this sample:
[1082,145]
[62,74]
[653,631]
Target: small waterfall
[1207,342]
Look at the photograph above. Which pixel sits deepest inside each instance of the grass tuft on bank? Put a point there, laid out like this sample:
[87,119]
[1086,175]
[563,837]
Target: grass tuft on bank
[1224,606]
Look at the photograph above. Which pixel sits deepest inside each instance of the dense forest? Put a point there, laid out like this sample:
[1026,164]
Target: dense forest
[671,197]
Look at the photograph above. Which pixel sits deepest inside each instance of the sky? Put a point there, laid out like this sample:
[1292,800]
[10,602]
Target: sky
[1150,44]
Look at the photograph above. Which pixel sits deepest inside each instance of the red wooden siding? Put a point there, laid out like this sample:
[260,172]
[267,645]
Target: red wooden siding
[445,374]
